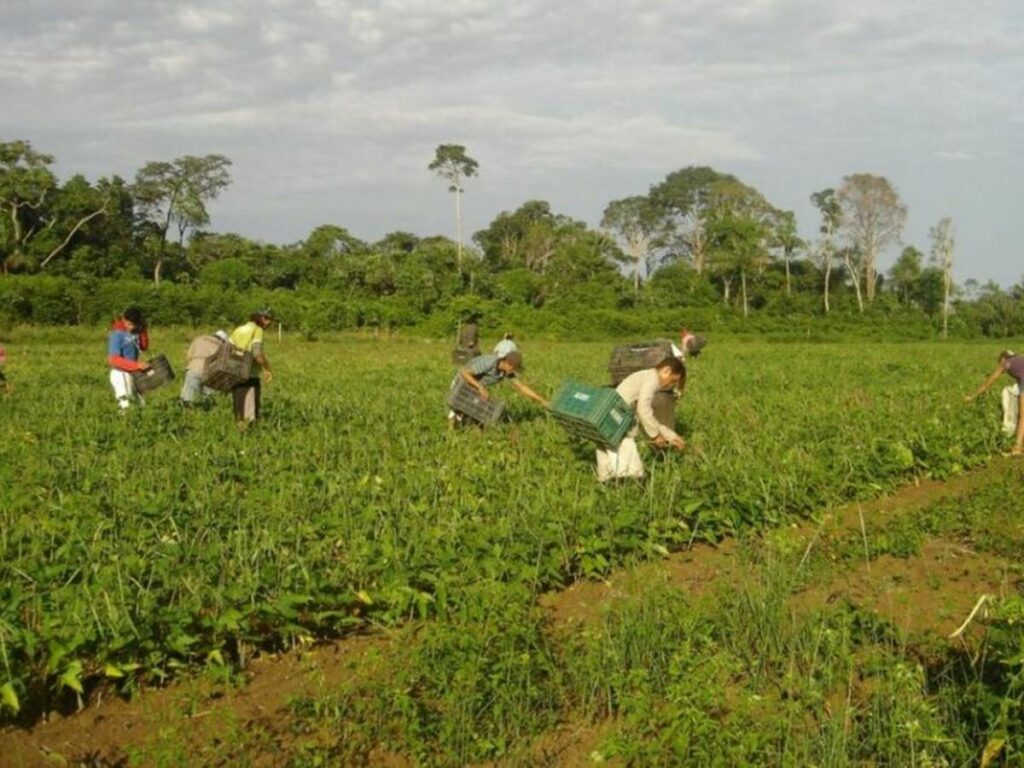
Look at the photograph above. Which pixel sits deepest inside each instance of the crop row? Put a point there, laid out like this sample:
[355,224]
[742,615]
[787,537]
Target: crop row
[131,546]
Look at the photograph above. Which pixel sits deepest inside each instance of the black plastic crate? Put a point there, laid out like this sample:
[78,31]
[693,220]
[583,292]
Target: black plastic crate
[630,358]
[465,400]
[226,368]
[154,377]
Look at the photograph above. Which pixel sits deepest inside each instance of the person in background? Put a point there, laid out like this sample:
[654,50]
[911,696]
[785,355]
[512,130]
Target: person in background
[489,370]
[201,348]
[690,344]
[639,391]
[5,385]
[1013,396]
[127,338]
[247,394]
[506,345]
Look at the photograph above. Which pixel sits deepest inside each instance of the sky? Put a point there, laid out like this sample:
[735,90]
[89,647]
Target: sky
[332,110]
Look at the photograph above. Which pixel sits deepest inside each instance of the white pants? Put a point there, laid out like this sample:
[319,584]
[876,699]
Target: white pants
[124,388]
[1011,402]
[625,461]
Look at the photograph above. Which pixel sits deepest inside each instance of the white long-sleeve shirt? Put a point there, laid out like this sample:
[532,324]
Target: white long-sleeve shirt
[638,390]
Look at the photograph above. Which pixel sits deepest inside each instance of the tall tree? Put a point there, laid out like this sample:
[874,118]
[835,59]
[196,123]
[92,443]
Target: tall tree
[943,242]
[685,198]
[786,239]
[873,219]
[906,272]
[177,193]
[28,192]
[831,217]
[636,223]
[737,225]
[453,164]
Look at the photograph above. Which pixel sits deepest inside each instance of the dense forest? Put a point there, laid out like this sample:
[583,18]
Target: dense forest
[701,247]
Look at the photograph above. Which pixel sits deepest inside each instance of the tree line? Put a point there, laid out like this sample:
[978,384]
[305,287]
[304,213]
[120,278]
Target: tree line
[700,241]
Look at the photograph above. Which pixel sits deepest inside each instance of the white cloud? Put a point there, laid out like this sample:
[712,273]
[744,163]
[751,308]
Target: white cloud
[541,92]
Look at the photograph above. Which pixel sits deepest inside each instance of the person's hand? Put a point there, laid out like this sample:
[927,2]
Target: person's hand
[269,376]
[678,443]
[659,441]
[145,366]
[484,394]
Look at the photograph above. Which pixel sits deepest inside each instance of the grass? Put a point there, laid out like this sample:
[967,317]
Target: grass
[134,547]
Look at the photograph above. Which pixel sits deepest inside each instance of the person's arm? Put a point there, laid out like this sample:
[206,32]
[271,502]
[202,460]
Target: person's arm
[474,382]
[116,360]
[260,358]
[1018,446]
[655,430]
[527,391]
[992,379]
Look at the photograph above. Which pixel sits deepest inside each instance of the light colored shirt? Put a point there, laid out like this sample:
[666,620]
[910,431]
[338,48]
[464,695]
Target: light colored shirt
[638,390]
[248,337]
[199,350]
[504,347]
[485,370]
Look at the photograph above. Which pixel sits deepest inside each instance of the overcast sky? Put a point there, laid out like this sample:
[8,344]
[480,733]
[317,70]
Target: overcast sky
[331,110]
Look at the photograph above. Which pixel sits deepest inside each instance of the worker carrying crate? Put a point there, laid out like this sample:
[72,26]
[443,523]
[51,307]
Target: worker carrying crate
[639,391]
[481,373]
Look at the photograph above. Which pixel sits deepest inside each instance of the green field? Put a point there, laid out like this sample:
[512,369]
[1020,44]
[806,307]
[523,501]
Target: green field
[135,546]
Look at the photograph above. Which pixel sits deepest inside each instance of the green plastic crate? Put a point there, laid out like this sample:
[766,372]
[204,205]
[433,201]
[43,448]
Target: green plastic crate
[593,413]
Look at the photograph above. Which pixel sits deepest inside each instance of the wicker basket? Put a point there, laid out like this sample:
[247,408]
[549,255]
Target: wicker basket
[226,368]
[593,413]
[630,358]
[154,377]
[461,356]
[465,400]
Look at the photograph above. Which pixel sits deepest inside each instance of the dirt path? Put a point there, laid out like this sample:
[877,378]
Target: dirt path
[929,593]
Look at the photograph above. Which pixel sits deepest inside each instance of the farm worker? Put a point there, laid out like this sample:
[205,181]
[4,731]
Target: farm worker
[639,391]
[689,344]
[487,371]
[664,403]
[247,394]
[126,339]
[4,383]
[1013,396]
[506,345]
[199,350]
[249,337]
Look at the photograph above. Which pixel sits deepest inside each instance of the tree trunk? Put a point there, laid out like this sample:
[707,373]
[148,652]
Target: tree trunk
[945,306]
[788,287]
[636,275]
[81,222]
[458,226]
[743,283]
[828,276]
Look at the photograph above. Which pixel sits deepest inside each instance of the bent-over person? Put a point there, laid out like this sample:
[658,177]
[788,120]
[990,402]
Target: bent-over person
[1012,396]
[247,395]
[639,390]
[490,370]
[199,351]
